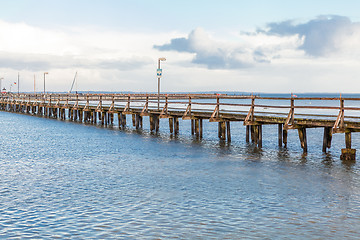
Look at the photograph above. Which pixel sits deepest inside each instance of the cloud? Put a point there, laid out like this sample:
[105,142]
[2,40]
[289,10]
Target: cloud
[321,36]
[324,36]
[25,47]
[213,54]
[44,62]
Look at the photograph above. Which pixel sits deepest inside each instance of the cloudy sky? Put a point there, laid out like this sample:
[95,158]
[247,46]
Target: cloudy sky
[231,45]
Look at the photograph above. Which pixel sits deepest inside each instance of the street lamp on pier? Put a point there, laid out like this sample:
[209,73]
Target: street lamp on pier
[44,80]
[159,74]
[1,84]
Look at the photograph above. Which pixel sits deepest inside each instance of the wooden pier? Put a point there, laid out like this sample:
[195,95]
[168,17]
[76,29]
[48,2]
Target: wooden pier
[253,111]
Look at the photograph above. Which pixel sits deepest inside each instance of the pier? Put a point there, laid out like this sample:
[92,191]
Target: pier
[334,115]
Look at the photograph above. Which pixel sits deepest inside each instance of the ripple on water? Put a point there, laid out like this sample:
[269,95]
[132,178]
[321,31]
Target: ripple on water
[64,180]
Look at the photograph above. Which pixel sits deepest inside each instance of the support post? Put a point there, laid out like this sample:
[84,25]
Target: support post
[171,125]
[176,126]
[192,126]
[285,136]
[348,154]
[228,131]
[247,133]
[327,138]
[260,136]
[302,137]
[197,131]
[280,133]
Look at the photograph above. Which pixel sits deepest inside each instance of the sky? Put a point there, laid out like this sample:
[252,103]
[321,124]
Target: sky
[256,46]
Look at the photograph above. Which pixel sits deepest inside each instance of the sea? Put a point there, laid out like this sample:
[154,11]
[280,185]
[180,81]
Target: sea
[70,180]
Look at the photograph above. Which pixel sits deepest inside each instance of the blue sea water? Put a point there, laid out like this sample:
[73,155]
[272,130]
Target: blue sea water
[66,180]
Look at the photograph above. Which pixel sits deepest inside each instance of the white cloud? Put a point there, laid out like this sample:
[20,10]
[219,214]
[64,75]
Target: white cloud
[259,61]
[250,49]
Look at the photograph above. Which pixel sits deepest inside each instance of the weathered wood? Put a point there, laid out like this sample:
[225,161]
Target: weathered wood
[119,119]
[152,124]
[280,134]
[228,131]
[133,120]
[247,133]
[123,121]
[157,123]
[285,136]
[260,136]
[192,126]
[73,107]
[256,134]
[327,138]
[348,139]
[137,121]
[197,130]
[303,140]
[348,154]
[141,121]
[201,128]
[176,126]
[223,130]
[171,125]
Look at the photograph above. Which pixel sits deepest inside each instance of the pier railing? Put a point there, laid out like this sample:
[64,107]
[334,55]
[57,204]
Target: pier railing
[335,115]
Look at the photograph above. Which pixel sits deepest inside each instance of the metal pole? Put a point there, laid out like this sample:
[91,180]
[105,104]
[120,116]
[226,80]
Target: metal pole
[18,82]
[44,83]
[1,84]
[159,86]
[34,85]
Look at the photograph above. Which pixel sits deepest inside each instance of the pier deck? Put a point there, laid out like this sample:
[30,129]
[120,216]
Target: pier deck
[331,113]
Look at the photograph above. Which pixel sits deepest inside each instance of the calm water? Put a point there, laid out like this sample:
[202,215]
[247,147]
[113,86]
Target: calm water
[70,180]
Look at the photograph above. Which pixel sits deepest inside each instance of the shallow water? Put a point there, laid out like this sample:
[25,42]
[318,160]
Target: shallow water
[70,180]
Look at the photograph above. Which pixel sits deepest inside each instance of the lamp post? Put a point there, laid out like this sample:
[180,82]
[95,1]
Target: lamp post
[18,83]
[44,80]
[1,84]
[159,73]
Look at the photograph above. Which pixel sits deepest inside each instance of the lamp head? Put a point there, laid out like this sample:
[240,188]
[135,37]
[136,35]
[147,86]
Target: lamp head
[162,59]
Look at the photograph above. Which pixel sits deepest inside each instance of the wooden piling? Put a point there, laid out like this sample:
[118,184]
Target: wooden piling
[348,139]
[302,137]
[280,134]
[151,120]
[171,125]
[123,121]
[133,120]
[228,131]
[260,136]
[327,138]
[197,130]
[285,136]
[247,138]
[137,122]
[176,125]
[192,126]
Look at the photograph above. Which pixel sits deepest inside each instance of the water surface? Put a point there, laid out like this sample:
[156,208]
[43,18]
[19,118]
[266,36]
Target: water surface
[70,180]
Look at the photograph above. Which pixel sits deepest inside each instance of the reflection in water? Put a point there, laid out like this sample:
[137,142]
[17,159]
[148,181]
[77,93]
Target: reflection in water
[66,180]
[328,160]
